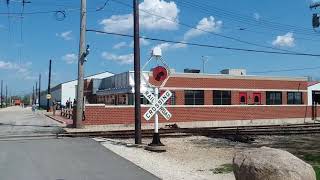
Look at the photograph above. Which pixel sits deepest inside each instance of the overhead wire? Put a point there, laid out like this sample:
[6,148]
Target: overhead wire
[243,19]
[287,70]
[253,24]
[54,11]
[209,32]
[21,32]
[207,45]
[9,22]
[239,29]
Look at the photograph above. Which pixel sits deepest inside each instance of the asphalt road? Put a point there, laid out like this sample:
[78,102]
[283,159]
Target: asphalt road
[22,121]
[57,159]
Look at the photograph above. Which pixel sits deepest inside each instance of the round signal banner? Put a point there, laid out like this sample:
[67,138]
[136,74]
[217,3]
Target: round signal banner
[160,73]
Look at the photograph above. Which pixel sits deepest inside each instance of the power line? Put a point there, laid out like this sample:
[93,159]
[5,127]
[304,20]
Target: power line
[213,33]
[244,19]
[9,23]
[21,32]
[264,33]
[207,45]
[287,70]
[55,11]
[38,12]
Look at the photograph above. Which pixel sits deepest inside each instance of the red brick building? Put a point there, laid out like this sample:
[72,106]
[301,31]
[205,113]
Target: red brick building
[207,97]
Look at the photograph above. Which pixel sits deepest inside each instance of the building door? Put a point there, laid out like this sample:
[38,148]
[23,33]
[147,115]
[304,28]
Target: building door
[256,98]
[243,98]
[316,97]
[315,102]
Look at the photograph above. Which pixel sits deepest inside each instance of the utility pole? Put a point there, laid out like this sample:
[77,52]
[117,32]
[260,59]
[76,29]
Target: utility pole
[1,94]
[137,105]
[36,94]
[10,98]
[204,61]
[32,95]
[315,16]
[82,54]
[39,95]
[49,88]
[6,98]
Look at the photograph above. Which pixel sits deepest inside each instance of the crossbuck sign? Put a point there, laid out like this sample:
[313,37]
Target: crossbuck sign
[157,105]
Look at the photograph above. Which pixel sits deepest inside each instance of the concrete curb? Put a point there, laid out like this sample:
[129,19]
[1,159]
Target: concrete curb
[59,121]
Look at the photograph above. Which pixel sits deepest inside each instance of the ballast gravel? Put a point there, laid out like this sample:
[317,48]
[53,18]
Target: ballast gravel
[186,158]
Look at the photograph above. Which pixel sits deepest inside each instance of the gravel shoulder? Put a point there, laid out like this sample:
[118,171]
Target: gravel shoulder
[186,158]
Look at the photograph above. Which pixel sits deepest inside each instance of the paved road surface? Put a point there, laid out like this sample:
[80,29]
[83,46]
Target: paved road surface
[22,121]
[57,159]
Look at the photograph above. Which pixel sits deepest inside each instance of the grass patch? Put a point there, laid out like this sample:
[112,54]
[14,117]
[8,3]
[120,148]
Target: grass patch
[317,170]
[314,160]
[223,169]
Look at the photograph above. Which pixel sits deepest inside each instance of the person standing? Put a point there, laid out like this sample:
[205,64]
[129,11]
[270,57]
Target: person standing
[33,107]
[54,107]
[74,103]
[67,104]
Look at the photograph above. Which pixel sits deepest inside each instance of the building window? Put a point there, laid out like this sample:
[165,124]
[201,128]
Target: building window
[243,98]
[130,99]
[273,98]
[222,97]
[122,99]
[257,98]
[294,97]
[172,99]
[144,100]
[194,97]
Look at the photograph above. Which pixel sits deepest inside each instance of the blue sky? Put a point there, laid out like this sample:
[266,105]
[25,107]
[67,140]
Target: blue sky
[284,24]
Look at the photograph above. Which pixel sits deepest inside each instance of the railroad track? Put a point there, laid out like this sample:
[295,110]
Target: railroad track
[224,132]
[292,129]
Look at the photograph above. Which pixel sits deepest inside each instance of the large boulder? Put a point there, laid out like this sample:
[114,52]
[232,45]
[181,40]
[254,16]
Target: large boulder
[270,164]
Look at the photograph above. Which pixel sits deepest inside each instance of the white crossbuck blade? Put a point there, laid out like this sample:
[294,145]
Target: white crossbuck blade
[157,106]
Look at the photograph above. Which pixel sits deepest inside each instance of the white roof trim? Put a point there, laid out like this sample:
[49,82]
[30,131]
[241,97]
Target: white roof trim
[229,89]
[226,76]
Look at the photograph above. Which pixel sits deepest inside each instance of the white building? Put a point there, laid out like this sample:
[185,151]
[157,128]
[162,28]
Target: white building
[313,92]
[67,90]
[119,89]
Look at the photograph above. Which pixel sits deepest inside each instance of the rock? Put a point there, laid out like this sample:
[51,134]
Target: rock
[270,164]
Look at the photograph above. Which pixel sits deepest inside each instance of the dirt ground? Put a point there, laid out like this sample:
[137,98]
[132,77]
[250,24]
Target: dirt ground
[199,157]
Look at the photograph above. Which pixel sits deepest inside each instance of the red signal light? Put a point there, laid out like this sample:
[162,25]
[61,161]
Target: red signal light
[160,73]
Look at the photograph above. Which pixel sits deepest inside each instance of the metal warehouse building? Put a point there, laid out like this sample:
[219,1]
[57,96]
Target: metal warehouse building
[206,98]
[67,90]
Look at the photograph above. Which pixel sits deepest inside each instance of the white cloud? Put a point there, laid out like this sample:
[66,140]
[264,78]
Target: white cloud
[121,59]
[143,42]
[286,40]
[163,46]
[208,24]
[117,23]
[170,46]
[65,35]
[256,16]
[123,44]
[22,70]
[70,58]
[179,45]
[119,45]
[7,65]
[162,8]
